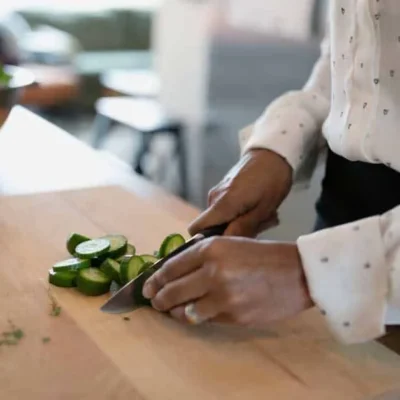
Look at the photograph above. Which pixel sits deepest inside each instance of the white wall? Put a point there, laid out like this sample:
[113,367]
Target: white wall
[285,18]
[182,33]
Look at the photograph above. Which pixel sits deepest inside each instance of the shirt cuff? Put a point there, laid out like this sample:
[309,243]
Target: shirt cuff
[348,278]
[288,127]
[273,138]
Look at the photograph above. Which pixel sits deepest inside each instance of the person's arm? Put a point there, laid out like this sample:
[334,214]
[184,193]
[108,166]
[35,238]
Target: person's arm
[291,125]
[353,273]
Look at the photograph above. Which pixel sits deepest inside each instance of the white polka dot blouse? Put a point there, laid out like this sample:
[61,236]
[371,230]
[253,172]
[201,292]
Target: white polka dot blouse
[352,96]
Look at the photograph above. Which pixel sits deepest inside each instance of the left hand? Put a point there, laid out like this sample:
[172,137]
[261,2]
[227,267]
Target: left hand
[232,280]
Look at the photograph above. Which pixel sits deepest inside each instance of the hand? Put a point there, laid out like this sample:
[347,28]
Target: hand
[230,280]
[249,195]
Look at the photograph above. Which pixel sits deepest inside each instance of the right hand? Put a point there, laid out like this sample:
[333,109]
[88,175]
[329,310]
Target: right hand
[249,195]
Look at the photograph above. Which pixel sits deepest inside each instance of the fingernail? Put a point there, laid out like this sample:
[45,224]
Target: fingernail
[148,290]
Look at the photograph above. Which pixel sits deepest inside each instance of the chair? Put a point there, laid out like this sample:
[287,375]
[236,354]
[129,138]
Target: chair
[147,118]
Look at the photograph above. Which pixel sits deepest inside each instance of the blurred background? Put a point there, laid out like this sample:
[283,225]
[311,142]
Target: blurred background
[165,86]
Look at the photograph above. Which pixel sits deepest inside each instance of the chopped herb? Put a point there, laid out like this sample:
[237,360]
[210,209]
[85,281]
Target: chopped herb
[56,311]
[18,334]
[12,336]
[8,342]
[156,253]
[46,340]
[127,319]
[55,308]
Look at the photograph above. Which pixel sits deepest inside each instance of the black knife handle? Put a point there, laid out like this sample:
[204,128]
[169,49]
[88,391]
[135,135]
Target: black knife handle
[218,230]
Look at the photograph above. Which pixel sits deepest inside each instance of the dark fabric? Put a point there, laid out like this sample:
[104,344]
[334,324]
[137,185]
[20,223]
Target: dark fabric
[356,190]
[320,224]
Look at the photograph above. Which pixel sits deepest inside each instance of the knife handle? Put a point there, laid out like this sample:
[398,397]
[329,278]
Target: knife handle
[215,230]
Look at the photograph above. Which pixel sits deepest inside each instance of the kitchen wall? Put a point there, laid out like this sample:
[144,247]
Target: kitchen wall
[182,33]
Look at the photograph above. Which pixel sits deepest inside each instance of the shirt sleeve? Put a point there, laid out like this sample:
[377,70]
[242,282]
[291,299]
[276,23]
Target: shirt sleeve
[353,272]
[290,126]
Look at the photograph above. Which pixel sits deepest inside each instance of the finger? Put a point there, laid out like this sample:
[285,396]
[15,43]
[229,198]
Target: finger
[219,213]
[223,319]
[207,308]
[183,290]
[249,225]
[182,264]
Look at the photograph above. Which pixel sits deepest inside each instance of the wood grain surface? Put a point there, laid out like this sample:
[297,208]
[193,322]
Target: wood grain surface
[92,355]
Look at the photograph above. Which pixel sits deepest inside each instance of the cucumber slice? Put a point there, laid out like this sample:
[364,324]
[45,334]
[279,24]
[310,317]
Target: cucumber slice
[145,267]
[124,258]
[118,245]
[93,282]
[138,289]
[147,258]
[171,243]
[74,240]
[92,248]
[64,279]
[130,268]
[72,264]
[130,250]
[112,269]
[97,261]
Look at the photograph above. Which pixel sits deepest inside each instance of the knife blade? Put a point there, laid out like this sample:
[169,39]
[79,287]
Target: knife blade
[125,299]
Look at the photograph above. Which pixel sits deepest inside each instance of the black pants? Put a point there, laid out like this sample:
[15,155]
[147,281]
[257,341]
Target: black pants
[355,190]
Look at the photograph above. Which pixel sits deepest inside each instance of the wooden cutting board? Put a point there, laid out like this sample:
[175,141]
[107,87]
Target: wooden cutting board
[92,355]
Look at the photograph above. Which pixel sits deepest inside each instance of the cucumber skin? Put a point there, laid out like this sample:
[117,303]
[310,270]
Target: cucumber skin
[148,258]
[92,288]
[163,252]
[145,267]
[110,271]
[56,279]
[85,264]
[114,254]
[97,261]
[130,250]
[79,239]
[124,269]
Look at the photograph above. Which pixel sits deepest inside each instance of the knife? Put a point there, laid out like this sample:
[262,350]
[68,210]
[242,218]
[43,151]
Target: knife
[130,298]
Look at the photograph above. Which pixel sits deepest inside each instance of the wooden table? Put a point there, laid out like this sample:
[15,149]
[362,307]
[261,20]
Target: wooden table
[92,355]
[37,156]
[96,356]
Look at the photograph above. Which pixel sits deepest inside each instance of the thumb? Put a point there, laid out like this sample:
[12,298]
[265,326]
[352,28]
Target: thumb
[217,214]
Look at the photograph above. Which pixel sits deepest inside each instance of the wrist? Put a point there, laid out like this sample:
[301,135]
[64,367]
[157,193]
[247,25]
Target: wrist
[304,290]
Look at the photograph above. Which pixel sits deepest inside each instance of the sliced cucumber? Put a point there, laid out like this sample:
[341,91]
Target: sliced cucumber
[147,258]
[92,248]
[93,282]
[171,243]
[145,267]
[97,261]
[74,240]
[138,289]
[124,258]
[112,269]
[130,268]
[118,245]
[72,264]
[64,279]
[130,250]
